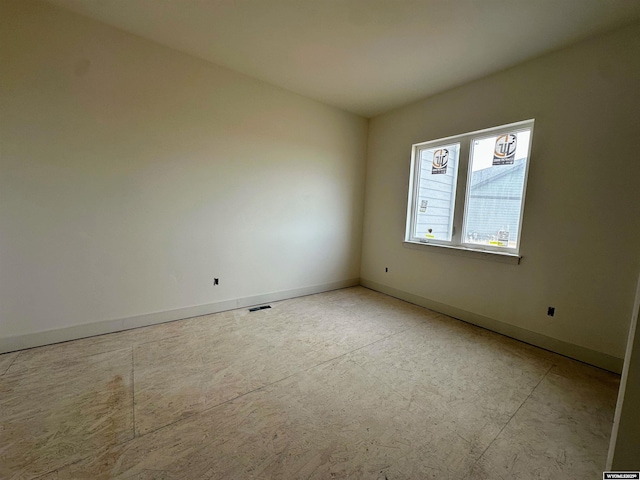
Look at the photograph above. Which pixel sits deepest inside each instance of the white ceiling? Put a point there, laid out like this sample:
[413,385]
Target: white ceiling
[365,56]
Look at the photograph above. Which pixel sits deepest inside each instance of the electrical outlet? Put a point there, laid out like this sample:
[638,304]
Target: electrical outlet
[216,282]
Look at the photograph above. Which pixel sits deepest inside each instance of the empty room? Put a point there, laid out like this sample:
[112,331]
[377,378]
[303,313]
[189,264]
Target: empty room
[319,239]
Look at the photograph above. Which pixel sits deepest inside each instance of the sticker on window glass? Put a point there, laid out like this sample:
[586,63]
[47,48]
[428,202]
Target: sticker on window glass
[423,206]
[440,161]
[430,234]
[505,151]
[502,239]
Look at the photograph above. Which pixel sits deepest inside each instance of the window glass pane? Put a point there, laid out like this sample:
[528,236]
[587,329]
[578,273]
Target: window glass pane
[495,189]
[436,192]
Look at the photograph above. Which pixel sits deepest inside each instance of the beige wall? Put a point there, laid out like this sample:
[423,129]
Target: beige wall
[580,238]
[132,175]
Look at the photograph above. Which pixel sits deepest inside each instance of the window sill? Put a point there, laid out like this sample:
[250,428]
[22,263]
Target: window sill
[512,258]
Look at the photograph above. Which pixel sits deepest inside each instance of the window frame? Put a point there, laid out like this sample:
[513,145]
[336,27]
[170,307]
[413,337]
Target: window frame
[461,188]
[418,148]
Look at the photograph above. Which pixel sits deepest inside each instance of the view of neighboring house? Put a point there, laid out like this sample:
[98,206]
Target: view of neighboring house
[495,202]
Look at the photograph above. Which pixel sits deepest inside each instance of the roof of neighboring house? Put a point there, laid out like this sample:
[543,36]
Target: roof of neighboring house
[489,174]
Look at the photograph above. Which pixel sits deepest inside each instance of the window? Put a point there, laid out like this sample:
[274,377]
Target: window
[468,191]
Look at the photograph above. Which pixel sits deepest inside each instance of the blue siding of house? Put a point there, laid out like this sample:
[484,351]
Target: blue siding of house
[495,201]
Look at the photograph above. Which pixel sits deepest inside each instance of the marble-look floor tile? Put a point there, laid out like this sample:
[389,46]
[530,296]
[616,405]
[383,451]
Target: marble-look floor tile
[49,476]
[214,324]
[333,421]
[6,359]
[561,431]
[389,317]
[187,374]
[323,327]
[41,356]
[369,309]
[56,414]
[344,384]
[484,470]
[457,373]
[150,475]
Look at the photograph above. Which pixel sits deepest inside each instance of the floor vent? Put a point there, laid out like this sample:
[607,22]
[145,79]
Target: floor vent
[263,307]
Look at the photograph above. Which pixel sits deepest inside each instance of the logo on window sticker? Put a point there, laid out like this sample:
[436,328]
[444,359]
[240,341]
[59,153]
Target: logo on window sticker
[502,239]
[440,161]
[505,151]
[423,206]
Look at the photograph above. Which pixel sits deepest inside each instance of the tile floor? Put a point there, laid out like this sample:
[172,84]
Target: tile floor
[345,384]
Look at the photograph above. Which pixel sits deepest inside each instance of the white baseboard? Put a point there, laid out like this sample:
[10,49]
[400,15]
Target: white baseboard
[586,355]
[48,337]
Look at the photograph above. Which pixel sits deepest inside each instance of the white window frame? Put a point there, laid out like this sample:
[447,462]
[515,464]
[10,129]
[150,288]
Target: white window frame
[415,164]
[461,189]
